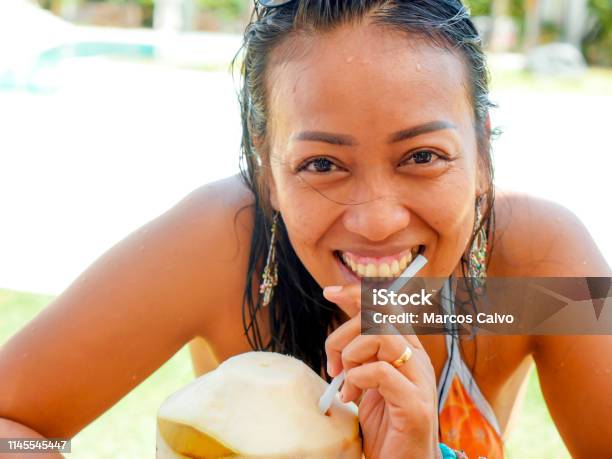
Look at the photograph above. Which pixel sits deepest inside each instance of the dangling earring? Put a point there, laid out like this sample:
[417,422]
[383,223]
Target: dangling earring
[270,272]
[478,251]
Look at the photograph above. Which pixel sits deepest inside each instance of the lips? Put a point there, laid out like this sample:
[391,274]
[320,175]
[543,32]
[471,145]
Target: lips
[385,266]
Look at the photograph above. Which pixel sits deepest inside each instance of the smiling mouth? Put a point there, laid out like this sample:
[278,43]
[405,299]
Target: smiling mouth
[387,266]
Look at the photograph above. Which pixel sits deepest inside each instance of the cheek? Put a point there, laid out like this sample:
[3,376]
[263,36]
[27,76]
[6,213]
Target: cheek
[306,227]
[456,192]
[302,213]
[450,214]
[452,208]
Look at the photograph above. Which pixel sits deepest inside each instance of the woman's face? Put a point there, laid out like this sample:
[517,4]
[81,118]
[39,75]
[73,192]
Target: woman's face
[372,152]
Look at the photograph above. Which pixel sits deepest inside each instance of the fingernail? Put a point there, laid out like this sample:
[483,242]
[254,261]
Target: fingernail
[329,368]
[332,289]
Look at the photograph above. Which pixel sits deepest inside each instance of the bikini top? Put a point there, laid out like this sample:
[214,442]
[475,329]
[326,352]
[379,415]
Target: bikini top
[467,421]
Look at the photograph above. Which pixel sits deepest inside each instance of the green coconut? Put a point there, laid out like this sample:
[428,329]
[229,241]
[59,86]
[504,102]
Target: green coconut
[257,405]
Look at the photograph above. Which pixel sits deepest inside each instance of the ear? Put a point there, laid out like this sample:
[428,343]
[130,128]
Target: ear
[482,183]
[482,173]
[268,185]
[272,191]
[488,124]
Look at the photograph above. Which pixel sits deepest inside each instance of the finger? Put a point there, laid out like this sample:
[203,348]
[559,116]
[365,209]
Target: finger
[364,349]
[348,297]
[420,358]
[391,329]
[392,385]
[414,341]
[351,329]
[337,341]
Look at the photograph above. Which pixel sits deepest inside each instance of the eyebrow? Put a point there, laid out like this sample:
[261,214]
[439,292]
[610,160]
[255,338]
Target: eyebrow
[349,140]
[420,130]
[327,137]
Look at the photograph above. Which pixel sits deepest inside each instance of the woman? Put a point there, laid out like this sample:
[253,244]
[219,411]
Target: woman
[365,139]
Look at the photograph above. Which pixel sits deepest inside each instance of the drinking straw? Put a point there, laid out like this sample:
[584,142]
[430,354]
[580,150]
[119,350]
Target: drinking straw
[328,396]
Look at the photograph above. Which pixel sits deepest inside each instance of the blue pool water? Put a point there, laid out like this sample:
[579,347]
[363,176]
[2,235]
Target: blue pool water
[88,49]
[52,57]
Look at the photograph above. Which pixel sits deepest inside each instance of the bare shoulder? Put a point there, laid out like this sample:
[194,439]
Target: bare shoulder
[129,312]
[535,237]
[538,237]
[214,224]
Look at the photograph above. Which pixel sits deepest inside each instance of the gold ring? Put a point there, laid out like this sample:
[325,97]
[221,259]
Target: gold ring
[403,358]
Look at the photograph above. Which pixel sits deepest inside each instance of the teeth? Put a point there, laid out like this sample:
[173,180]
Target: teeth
[395,269]
[392,269]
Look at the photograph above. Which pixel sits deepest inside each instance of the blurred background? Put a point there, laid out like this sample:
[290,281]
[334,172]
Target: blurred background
[111,111]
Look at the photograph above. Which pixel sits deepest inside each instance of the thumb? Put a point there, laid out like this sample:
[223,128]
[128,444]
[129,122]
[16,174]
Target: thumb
[348,297]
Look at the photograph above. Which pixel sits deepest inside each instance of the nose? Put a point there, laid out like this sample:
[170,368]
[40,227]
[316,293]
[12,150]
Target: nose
[378,219]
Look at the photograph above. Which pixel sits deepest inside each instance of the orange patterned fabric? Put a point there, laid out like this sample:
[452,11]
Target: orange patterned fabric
[464,427]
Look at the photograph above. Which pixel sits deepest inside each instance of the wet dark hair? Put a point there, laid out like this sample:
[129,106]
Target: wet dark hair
[300,318]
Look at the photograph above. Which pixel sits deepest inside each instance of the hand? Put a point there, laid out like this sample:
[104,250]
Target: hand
[398,406]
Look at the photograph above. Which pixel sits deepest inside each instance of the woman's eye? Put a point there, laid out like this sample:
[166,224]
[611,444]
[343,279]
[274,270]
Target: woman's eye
[421,157]
[320,165]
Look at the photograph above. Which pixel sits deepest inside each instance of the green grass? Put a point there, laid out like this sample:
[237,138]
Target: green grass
[127,430]
[535,435]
